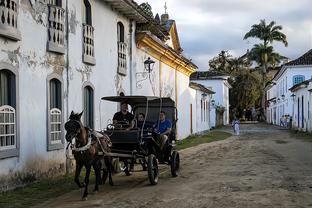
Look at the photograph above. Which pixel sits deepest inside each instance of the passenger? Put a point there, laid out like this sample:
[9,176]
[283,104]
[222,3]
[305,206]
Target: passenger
[140,121]
[124,117]
[163,127]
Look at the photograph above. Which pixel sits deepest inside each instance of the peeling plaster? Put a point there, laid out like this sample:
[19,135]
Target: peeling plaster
[85,73]
[38,10]
[118,83]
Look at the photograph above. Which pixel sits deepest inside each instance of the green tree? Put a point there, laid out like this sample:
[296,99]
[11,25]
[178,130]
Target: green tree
[245,91]
[264,53]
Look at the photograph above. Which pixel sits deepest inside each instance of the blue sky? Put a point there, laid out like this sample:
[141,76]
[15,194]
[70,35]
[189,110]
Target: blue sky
[206,27]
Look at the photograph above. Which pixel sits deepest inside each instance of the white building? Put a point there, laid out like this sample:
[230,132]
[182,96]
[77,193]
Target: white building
[200,112]
[217,82]
[302,115]
[62,55]
[279,98]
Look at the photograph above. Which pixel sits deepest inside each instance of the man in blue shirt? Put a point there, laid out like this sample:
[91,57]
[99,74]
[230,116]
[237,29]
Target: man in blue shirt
[163,127]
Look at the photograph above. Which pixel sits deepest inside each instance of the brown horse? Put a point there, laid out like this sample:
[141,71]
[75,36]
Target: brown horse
[86,150]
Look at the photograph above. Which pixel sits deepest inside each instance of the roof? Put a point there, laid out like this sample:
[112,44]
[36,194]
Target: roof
[168,24]
[305,59]
[200,87]
[137,99]
[143,37]
[130,9]
[300,85]
[211,74]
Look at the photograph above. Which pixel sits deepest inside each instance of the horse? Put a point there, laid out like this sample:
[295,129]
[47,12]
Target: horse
[86,149]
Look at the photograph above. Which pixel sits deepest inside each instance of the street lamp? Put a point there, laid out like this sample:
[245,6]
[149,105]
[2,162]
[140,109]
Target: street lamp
[141,76]
[149,65]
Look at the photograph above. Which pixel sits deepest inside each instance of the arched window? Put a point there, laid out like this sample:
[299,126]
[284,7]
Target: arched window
[120,32]
[8,124]
[55,113]
[298,79]
[88,12]
[88,105]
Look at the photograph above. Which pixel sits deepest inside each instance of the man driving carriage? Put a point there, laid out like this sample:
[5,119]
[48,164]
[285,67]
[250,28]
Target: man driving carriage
[124,117]
[163,127]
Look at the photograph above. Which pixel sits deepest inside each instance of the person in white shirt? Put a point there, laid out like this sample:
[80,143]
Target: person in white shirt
[235,125]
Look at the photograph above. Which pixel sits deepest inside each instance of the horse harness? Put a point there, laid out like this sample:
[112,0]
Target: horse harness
[86,147]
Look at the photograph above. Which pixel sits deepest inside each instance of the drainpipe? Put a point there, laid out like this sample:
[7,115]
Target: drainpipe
[68,160]
[131,53]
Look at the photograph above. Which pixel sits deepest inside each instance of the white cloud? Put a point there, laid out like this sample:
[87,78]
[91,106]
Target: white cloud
[208,26]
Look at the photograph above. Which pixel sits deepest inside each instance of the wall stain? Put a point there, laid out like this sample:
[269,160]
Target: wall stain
[33,170]
[73,22]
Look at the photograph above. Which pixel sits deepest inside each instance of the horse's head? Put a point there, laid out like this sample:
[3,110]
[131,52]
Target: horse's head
[73,127]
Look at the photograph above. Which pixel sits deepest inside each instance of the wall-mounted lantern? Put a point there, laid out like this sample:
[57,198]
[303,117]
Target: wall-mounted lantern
[293,96]
[141,76]
[283,97]
[149,65]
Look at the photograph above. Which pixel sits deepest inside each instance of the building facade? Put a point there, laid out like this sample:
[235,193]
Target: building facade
[217,82]
[302,114]
[280,100]
[64,55]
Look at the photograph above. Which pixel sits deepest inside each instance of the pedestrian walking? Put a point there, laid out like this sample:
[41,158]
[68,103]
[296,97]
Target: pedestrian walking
[235,125]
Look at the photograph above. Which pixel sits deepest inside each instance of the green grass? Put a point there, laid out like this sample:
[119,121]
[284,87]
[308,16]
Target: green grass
[301,135]
[206,138]
[40,191]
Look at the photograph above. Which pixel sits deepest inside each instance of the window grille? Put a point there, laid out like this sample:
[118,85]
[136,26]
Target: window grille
[298,79]
[7,127]
[55,126]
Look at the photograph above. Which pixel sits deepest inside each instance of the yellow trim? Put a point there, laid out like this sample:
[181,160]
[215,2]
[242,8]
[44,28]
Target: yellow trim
[174,38]
[165,54]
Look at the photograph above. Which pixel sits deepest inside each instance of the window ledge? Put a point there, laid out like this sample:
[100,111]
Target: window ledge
[89,59]
[56,48]
[9,153]
[10,33]
[58,146]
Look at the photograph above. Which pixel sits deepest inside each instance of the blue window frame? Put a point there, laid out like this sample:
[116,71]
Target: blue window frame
[298,79]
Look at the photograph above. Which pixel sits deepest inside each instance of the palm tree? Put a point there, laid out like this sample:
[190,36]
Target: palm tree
[267,33]
[263,53]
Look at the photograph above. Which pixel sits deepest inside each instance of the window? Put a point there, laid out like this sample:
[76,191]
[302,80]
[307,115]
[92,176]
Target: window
[8,20]
[88,35]
[120,32]
[8,114]
[122,49]
[298,79]
[88,107]
[55,115]
[56,27]
[88,12]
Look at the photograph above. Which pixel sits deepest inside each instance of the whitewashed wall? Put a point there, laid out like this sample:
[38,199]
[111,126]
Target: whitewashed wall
[285,105]
[221,97]
[34,65]
[307,112]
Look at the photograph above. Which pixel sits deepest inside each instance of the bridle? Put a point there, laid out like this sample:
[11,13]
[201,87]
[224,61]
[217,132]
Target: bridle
[73,128]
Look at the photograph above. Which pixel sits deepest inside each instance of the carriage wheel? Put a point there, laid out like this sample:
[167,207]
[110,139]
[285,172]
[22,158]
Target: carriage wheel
[152,169]
[175,163]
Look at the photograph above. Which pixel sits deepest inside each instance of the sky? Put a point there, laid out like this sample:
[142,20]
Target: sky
[205,27]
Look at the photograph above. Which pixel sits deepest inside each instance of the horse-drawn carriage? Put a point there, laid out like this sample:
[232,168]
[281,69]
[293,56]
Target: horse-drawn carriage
[143,144]
[128,145]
